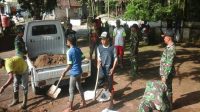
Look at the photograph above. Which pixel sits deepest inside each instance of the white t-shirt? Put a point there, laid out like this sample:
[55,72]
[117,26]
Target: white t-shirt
[119,34]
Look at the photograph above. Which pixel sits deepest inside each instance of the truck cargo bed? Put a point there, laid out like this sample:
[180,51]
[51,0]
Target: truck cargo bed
[49,60]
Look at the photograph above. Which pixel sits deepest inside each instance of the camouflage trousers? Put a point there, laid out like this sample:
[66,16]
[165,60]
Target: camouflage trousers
[134,59]
[169,84]
[134,49]
[93,49]
[148,106]
[169,89]
[134,66]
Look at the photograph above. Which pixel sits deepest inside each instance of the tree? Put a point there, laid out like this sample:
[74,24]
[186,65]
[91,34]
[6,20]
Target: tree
[151,10]
[36,7]
[111,4]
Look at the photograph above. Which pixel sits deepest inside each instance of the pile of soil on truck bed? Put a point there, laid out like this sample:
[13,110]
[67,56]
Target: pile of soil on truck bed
[47,60]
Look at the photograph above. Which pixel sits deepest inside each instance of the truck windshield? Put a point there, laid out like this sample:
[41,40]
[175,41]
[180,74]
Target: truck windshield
[44,30]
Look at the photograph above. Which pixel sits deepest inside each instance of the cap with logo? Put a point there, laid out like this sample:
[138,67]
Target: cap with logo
[103,35]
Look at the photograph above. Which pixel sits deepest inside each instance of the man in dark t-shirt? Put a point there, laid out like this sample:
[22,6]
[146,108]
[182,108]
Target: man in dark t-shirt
[107,61]
[70,33]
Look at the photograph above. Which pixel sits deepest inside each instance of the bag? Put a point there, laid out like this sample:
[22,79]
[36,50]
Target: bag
[104,96]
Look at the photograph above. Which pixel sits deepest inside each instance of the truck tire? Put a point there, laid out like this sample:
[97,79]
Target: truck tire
[36,90]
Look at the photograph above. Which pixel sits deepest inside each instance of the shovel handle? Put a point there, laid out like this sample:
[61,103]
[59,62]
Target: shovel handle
[95,88]
[59,81]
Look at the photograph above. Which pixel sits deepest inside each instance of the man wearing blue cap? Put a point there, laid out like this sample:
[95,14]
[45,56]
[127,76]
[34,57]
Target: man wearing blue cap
[167,69]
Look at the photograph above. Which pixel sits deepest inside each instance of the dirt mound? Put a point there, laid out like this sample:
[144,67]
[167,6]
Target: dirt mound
[47,60]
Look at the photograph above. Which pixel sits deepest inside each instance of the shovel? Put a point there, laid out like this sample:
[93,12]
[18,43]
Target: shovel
[54,90]
[92,94]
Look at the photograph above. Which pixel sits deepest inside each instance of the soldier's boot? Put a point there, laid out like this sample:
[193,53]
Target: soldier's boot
[24,103]
[15,99]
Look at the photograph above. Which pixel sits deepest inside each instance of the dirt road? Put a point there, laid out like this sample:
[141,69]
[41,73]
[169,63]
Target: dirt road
[186,85]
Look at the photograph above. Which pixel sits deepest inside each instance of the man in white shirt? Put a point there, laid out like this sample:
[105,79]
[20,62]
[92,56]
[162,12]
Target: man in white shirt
[118,41]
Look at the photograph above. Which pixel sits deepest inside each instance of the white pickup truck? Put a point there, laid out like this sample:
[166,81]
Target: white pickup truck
[47,37]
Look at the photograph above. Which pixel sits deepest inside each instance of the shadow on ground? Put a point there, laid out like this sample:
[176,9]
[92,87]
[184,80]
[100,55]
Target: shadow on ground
[123,99]
[41,100]
[187,99]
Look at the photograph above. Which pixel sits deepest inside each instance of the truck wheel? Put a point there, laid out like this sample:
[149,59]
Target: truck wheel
[36,90]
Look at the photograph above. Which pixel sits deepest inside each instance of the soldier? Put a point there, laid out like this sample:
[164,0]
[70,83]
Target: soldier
[99,25]
[70,32]
[66,22]
[154,98]
[94,40]
[134,40]
[19,43]
[167,69]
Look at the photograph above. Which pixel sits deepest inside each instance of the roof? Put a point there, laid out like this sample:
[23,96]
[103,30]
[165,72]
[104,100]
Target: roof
[74,3]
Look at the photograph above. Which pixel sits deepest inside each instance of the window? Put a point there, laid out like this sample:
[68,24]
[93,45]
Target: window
[44,30]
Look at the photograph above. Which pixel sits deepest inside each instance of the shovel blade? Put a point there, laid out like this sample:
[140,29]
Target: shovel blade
[53,91]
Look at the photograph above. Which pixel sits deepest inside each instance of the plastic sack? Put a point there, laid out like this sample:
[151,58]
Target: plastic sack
[108,110]
[104,96]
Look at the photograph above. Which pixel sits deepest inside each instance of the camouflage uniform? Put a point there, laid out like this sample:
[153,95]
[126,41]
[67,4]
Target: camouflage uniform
[94,41]
[20,46]
[154,97]
[134,39]
[167,68]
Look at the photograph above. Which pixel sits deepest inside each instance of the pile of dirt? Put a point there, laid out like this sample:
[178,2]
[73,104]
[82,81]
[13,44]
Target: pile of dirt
[47,60]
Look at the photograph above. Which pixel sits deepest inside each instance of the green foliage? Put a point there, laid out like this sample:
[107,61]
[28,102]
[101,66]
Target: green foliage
[150,10]
[136,10]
